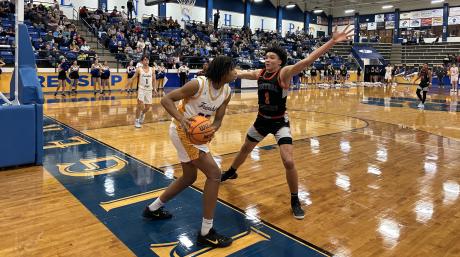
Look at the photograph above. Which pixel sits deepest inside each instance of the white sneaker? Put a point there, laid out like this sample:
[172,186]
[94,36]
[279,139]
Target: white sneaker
[142,118]
[137,124]
[421,106]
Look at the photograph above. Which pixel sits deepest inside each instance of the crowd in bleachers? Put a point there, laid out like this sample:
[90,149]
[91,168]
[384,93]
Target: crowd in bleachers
[167,43]
[53,35]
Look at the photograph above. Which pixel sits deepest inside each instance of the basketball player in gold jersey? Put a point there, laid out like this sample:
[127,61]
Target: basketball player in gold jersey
[207,96]
[273,84]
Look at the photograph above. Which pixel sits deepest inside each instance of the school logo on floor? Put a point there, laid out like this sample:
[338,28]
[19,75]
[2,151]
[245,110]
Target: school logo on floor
[116,188]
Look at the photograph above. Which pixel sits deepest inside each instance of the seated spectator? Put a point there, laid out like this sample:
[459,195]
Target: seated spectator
[85,47]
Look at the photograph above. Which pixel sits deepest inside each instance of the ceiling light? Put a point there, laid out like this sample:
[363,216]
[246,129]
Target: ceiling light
[257,1]
[436,1]
[349,11]
[290,6]
[387,6]
[318,11]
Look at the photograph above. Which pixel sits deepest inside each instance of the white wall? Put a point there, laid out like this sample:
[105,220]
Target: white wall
[237,19]
[269,24]
[68,10]
[118,3]
[146,10]
[287,24]
[453,39]
[340,28]
[142,9]
[80,3]
[314,28]
[195,13]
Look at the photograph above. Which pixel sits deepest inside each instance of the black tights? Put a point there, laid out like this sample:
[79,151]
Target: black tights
[422,98]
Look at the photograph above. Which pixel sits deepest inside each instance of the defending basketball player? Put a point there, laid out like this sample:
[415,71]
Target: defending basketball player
[273,85]
[425,77]
[147,87]
[389,75]
[205,96]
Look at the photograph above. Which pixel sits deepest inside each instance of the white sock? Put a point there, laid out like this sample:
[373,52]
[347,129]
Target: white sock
[206,225]
[157,204]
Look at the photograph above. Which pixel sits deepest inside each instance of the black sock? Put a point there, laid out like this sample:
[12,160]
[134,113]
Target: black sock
[231,170]
[294,197]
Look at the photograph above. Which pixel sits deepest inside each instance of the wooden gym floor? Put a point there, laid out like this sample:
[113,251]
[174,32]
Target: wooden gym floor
[378,177]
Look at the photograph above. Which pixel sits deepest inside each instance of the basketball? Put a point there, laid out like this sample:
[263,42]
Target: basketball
[201,130]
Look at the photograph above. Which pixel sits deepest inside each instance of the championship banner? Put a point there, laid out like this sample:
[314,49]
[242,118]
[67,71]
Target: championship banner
[437,21]
[404,23]
[389,25]
[454,11]
[405,16]
[390,17]
[426,22]
[372,26]
[415,23]
[379,18]
[454,20]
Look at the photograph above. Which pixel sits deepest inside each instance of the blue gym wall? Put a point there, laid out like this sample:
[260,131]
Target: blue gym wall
[264,9]
[232,6]
[293,14]
[200,3]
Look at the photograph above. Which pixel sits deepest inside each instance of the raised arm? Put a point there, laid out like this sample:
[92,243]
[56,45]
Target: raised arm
[252,75]
[289,71]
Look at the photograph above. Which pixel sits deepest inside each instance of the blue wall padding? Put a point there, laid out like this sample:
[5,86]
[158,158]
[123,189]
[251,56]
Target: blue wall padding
[18,129]
[29,89]
[39,137]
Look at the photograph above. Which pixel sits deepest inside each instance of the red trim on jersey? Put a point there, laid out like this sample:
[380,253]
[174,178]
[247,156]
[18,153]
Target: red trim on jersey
[264,71]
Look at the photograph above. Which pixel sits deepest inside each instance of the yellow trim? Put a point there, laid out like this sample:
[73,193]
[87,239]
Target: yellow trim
[164,244]
[269,226]
[107,206]
[164,250]
[92,169]
[260,232]
[210,93]
[200,89]
[192,152]
[60,143]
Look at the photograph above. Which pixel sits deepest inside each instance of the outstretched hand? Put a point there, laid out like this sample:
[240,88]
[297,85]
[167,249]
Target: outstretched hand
[344,35]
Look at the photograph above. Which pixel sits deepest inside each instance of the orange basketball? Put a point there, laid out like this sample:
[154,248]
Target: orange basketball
[201,130]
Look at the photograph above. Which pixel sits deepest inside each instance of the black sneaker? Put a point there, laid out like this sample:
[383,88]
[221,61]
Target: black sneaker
[213,239]
[297,210]
[228,175]
[160,214]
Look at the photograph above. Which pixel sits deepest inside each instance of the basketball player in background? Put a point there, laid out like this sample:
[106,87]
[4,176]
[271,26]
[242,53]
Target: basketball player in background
[273,85]
[388,75]
[454,77]
[131,71]
[313,75]
[425,77]
[343,74]
[207,96]
[147,87]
